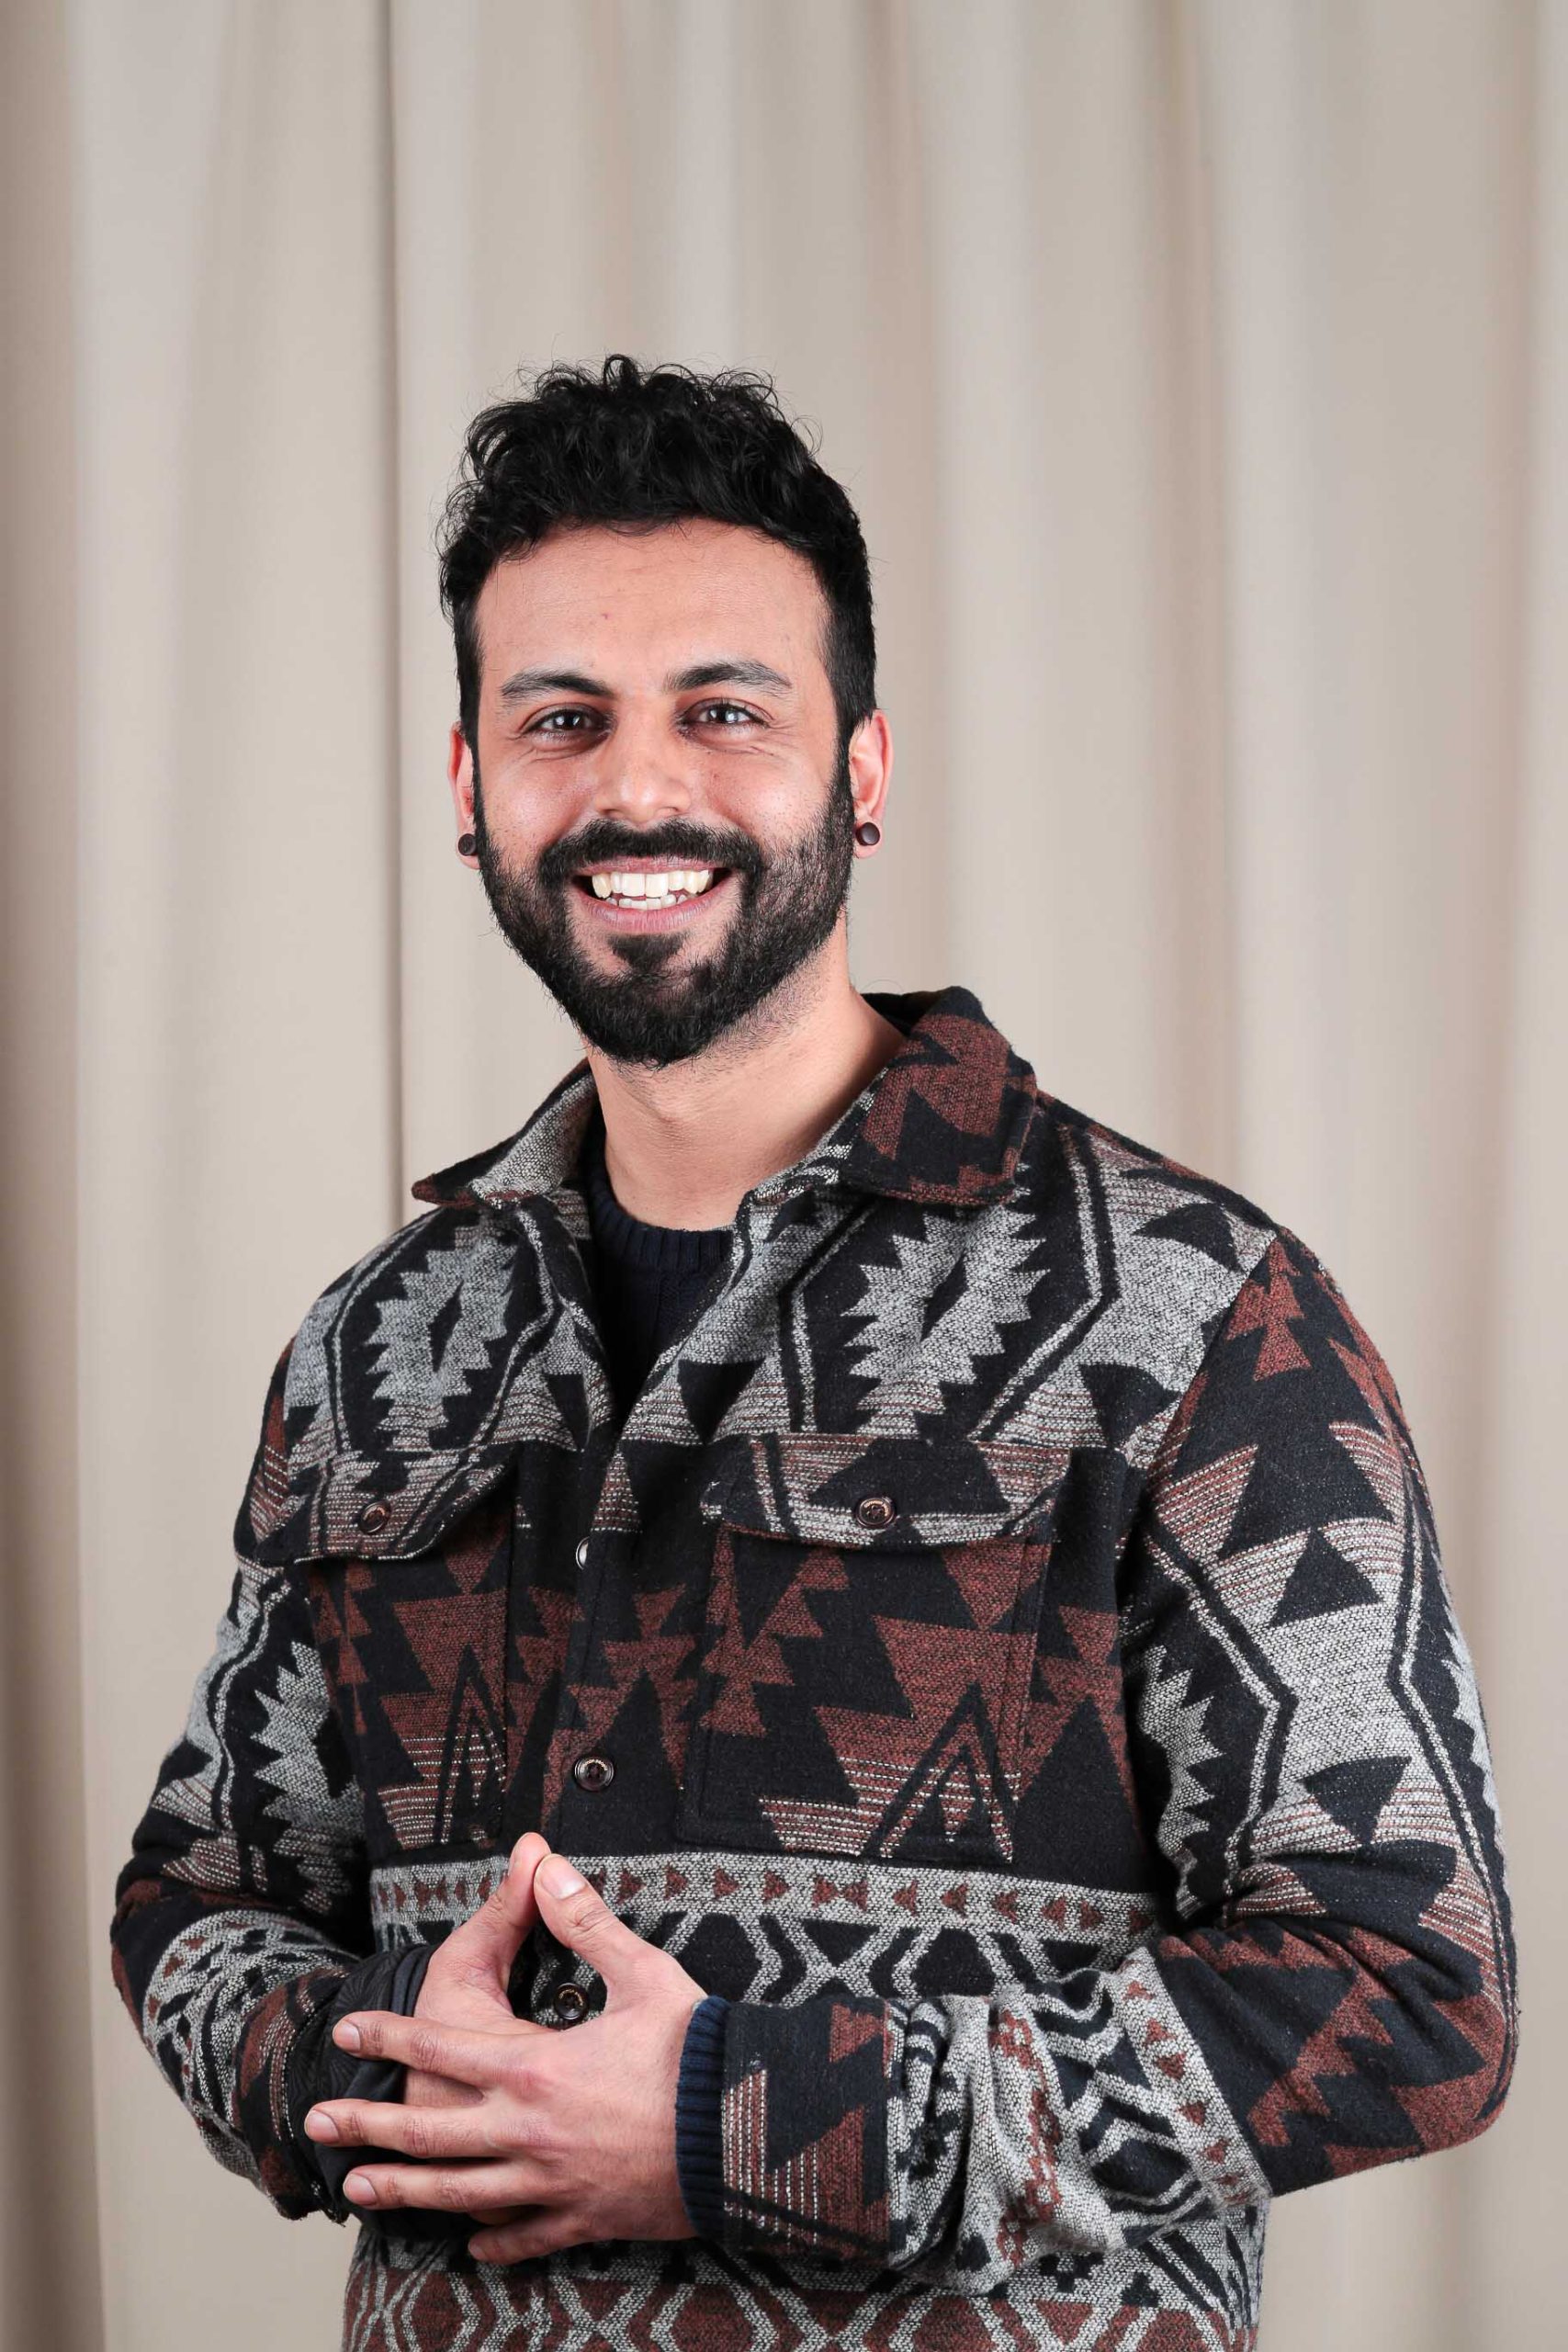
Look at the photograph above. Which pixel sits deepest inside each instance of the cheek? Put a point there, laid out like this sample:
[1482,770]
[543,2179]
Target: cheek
[777,803]
[522,823]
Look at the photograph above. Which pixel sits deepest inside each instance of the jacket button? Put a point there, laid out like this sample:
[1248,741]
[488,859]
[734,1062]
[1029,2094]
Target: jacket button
[373,1515]
[581,1553]
[571,2002]
[593,1771]
[877,1511]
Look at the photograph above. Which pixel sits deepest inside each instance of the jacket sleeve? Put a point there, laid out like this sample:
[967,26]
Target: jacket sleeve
[241,1922]
[1337,1985]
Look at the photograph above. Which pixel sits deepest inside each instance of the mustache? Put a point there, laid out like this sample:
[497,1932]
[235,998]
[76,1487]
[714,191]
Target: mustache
[601,844]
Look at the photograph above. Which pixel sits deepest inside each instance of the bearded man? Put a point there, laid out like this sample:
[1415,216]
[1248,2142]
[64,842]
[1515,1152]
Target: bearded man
[838,1716]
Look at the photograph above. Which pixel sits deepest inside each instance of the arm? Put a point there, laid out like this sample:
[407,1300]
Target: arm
[1312,1759]
[241,1923]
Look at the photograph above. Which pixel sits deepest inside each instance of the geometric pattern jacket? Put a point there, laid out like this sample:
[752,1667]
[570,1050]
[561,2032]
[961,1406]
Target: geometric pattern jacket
[1003,1652]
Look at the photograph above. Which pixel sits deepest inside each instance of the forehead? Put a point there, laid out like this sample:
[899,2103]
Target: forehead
[637,601]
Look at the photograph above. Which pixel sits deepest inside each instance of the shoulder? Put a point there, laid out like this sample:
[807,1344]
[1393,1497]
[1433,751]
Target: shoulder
[1168,1270]
[1144,1193]
[1157,1229]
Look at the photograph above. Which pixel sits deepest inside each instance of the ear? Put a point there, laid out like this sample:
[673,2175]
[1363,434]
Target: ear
[870,759]
[460,776]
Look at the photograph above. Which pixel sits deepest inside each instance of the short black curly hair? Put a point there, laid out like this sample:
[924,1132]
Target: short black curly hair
[640,444]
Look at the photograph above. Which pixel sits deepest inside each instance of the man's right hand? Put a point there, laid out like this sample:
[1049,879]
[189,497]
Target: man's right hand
[466,1979]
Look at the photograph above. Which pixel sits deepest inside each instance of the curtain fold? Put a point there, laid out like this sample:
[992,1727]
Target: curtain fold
[1201,372]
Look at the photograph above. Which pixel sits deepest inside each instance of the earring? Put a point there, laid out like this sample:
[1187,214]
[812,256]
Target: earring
[868,833]
[466,845]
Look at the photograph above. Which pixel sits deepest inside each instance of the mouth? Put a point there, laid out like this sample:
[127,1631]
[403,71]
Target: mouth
[653,897]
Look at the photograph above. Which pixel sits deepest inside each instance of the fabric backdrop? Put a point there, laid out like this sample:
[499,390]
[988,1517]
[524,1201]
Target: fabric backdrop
[1201,372]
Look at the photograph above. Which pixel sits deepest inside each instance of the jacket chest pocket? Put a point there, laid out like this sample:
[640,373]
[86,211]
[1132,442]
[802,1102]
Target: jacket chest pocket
[870,1632]
[407,1594]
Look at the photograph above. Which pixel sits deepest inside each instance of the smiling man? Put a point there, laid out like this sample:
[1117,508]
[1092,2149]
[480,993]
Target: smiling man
[840,1719]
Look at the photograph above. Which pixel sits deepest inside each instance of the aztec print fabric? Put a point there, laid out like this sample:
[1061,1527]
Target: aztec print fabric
[1011,1618]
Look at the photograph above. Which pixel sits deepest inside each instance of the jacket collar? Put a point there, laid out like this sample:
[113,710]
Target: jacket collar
[943,1123]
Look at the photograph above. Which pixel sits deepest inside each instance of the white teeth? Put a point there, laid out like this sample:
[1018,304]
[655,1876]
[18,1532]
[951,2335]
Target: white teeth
[653,890]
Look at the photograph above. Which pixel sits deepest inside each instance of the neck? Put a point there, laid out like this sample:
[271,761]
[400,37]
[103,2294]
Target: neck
[685,1145]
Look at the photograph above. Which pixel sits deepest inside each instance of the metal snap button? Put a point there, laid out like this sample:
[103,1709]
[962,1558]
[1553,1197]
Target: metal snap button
[373,1517]
[571,2002]
[877,1511]
[593,1771]
[581,1553]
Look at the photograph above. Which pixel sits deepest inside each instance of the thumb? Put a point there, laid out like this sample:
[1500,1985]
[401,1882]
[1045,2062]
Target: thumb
[492,1935]
[579,1916]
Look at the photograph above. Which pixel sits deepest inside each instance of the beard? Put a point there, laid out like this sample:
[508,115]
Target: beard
[665,1003]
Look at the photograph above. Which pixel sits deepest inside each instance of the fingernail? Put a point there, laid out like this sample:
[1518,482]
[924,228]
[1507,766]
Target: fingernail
[346,2035]
[361,2187]
[320,2124]
[560,1877]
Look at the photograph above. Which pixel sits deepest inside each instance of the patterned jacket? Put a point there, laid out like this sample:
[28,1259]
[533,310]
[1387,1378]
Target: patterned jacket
[1004,1654]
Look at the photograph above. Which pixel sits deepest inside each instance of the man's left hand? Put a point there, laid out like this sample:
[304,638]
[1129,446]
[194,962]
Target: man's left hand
[576,2122]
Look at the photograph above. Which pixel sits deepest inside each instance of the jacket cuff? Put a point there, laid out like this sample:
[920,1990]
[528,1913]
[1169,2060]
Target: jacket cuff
[699,2090]
[803,2126]
[320,2070]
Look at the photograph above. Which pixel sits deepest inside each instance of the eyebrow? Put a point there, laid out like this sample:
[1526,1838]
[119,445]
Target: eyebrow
[524,684]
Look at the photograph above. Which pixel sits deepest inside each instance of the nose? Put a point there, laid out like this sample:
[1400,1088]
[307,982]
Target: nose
[640,774]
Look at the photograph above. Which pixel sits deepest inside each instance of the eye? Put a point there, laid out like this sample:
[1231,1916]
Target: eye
[731,711]
[545,723]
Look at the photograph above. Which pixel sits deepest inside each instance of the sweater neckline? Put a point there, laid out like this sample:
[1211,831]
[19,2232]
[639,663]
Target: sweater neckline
[673,1248]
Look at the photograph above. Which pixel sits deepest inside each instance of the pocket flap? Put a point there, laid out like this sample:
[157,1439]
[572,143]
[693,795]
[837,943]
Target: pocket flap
[369,1506]
[884,1493]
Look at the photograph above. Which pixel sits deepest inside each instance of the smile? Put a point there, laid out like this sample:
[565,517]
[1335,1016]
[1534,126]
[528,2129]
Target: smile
[651,897]
[658,888]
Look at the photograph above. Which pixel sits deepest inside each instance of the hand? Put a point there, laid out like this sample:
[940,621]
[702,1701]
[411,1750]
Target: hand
[576,2121]
[466,1979]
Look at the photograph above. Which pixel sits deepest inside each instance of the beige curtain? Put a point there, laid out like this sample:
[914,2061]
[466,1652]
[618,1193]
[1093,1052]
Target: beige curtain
[1202,375]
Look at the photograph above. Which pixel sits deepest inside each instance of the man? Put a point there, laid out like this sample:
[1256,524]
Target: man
[839,1712]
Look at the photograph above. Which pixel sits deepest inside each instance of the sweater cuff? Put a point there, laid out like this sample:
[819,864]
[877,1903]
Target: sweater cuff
[699,2148]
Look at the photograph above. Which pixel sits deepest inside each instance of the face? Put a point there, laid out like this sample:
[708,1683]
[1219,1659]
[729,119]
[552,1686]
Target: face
[663,826]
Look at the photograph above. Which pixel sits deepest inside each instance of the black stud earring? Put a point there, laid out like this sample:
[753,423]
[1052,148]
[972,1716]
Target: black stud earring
[466,845]
[868,833]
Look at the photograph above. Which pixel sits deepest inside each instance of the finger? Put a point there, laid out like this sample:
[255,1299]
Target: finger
[495,2214]
[457,2051]
[579,1916]
[544,2233]
[424,2132]
[485,1944]
[448,2189]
